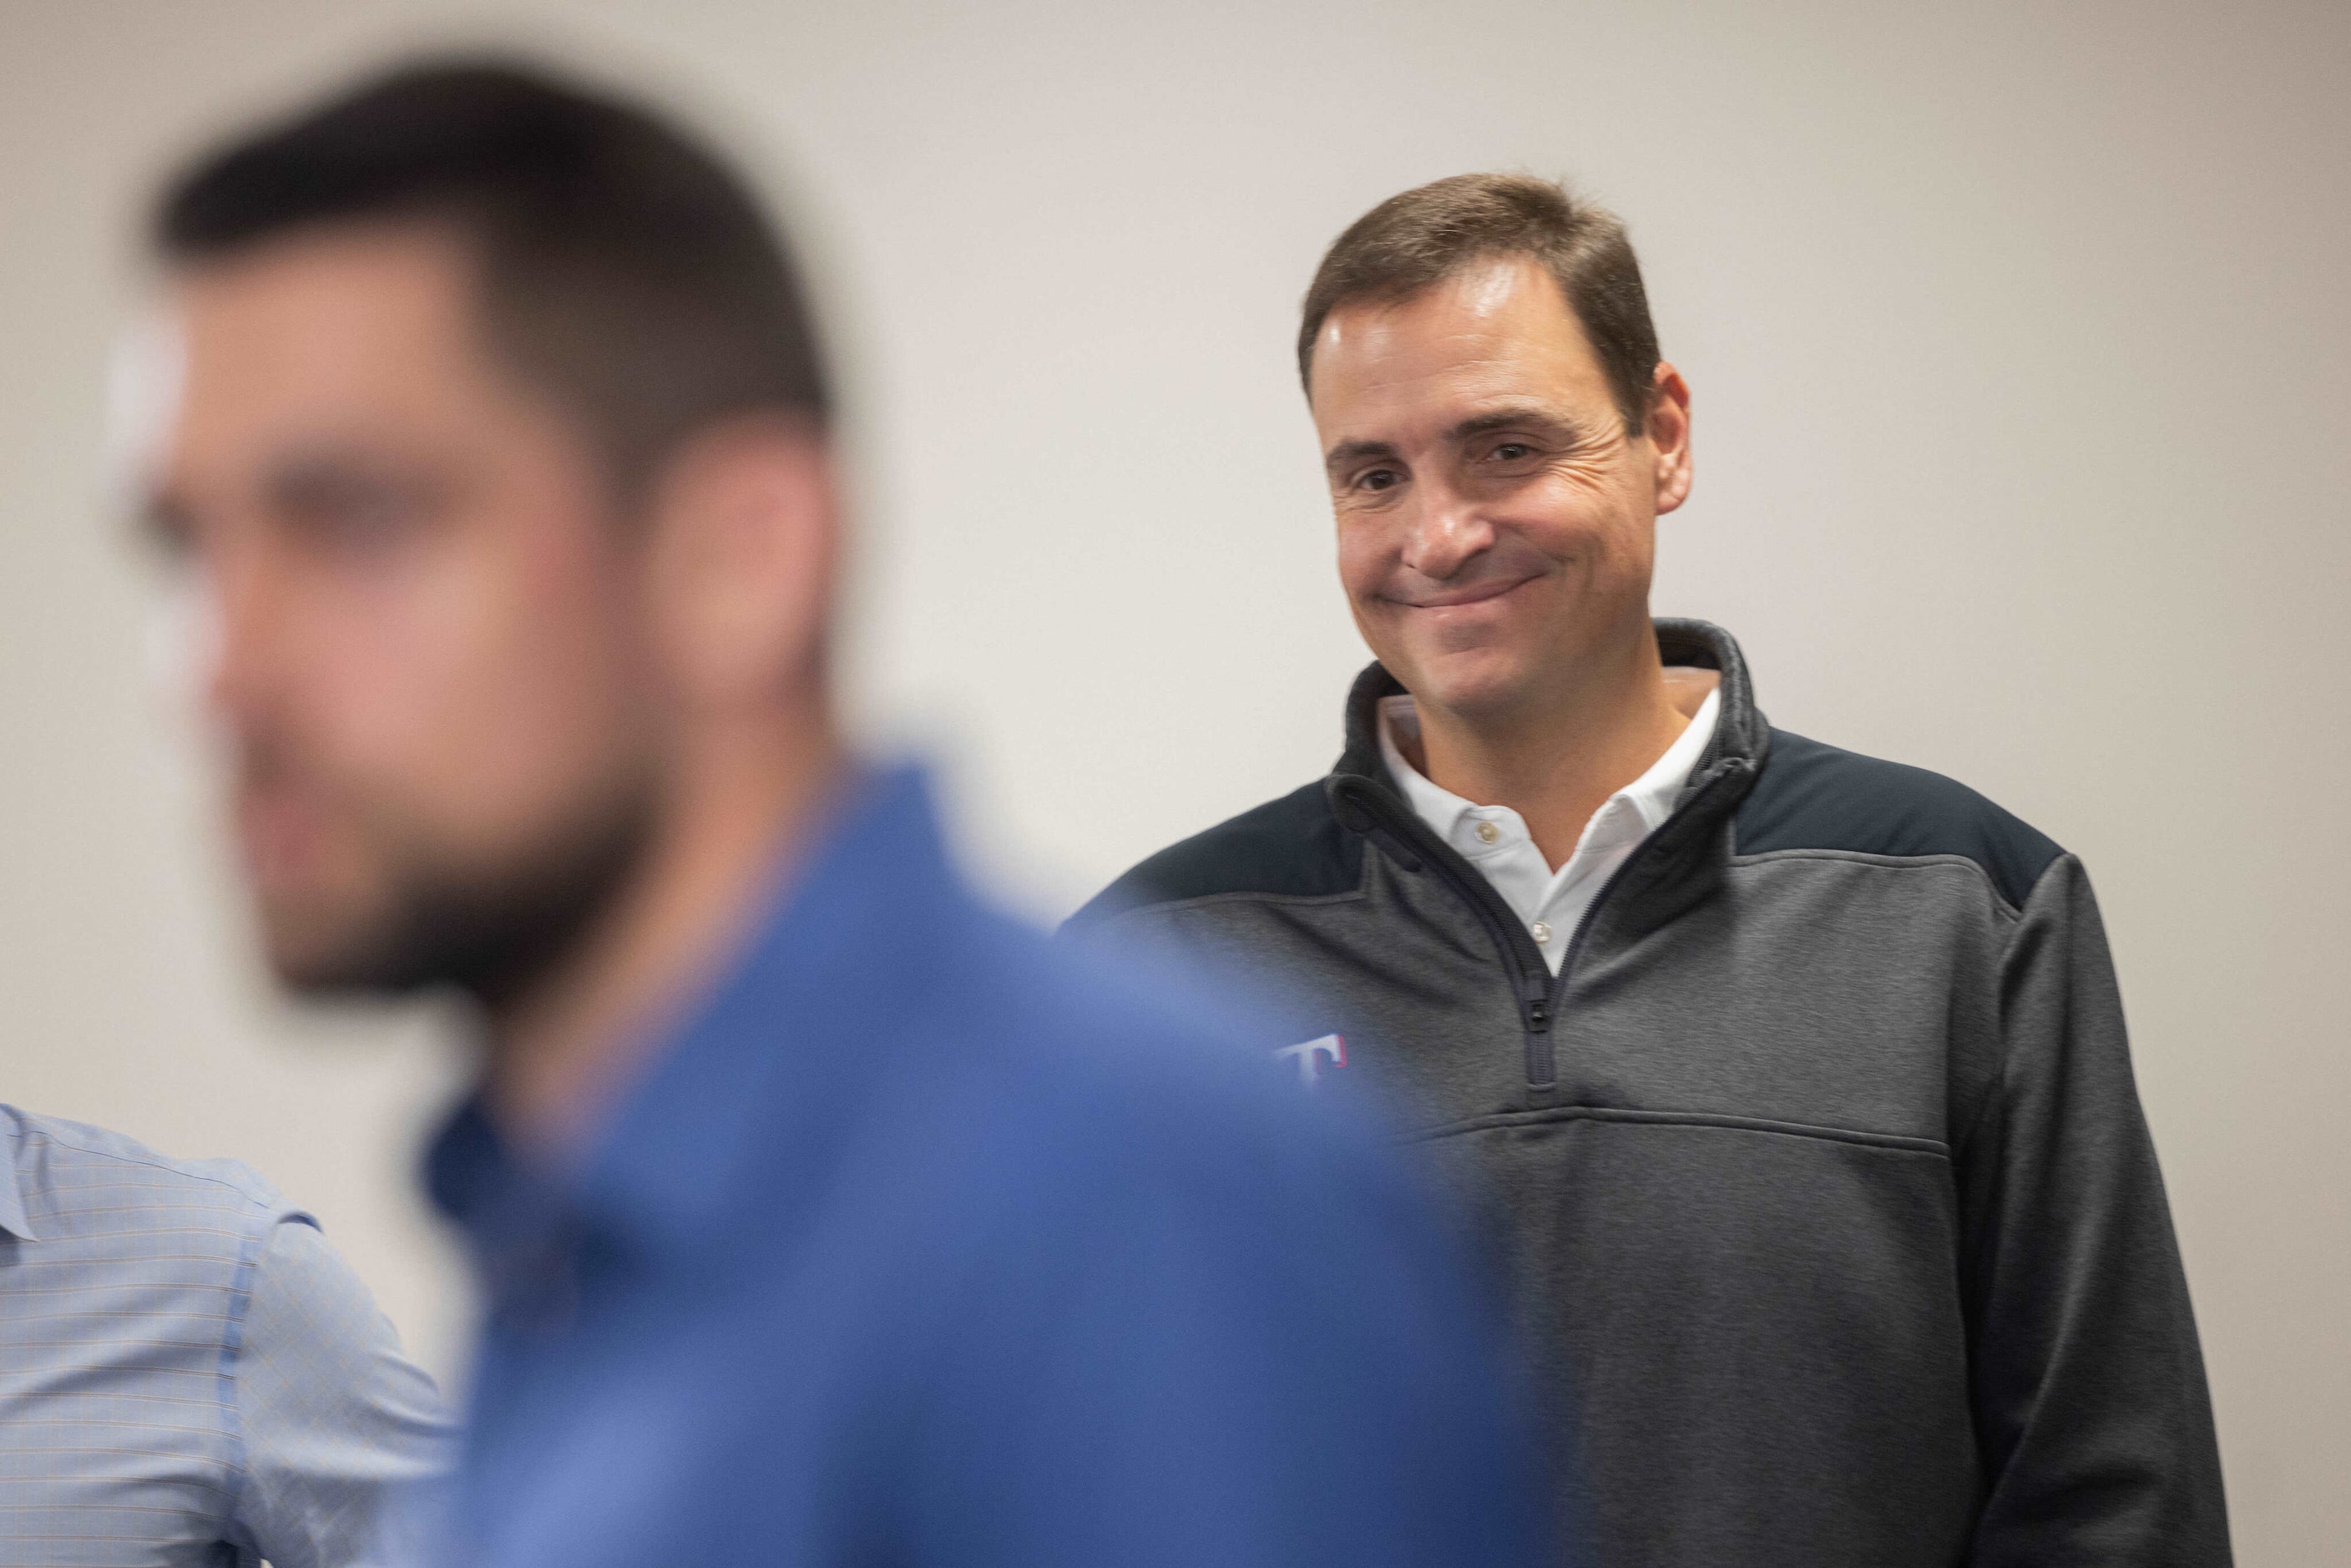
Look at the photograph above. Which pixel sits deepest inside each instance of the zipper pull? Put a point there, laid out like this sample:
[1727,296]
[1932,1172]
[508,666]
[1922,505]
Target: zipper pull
[1539,1013]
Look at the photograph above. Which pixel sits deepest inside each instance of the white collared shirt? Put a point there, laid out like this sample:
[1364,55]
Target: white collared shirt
[1495,839]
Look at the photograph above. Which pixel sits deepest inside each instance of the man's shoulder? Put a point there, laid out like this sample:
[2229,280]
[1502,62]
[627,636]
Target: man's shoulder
[1811,796]
[1083,1044]
[74,1166]
[1293,847]
[1055,1090]
[1115,1022]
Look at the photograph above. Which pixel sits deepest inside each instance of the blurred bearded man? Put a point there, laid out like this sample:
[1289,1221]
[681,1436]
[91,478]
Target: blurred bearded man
[822,1217]
[1792,1083]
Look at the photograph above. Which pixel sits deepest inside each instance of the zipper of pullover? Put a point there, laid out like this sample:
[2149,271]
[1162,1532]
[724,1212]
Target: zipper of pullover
[1688,812]
[1415,844]
[1542,996]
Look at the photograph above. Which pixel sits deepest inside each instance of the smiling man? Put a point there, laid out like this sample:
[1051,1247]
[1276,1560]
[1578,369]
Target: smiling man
[1790,1085]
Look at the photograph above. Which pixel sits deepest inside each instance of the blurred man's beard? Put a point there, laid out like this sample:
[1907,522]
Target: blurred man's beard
[490,929]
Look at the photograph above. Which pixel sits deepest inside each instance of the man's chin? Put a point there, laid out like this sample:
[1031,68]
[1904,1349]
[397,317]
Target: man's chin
[320,957]
[492,927]
[1473,685]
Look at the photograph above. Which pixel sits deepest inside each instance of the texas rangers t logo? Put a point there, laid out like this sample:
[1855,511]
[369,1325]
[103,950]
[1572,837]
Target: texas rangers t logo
[1311,1054]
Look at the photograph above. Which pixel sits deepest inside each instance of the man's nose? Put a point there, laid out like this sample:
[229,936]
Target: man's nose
[236,644]
[1446,532]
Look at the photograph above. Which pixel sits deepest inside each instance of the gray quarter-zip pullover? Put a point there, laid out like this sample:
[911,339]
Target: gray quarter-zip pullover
[1817,1175]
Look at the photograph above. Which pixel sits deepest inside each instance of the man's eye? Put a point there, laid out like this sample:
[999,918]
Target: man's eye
[360,516]
[1380,479]
[170,533]
[1511,450]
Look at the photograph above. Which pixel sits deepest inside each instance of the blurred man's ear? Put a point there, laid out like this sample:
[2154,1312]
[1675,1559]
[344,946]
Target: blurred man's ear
[745,533]
[1669,430]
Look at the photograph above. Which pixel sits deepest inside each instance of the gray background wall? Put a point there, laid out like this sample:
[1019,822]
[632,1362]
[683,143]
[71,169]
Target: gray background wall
[2019,336]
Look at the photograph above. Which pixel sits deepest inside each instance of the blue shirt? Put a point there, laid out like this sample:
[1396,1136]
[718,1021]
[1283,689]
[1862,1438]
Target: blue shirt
[927,1243]
[188,1373]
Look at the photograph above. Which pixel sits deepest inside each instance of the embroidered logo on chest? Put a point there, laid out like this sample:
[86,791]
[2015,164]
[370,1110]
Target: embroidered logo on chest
[1313,1055]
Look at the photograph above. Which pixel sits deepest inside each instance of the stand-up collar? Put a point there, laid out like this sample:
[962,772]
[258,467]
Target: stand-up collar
[1739,731]
[1674,869]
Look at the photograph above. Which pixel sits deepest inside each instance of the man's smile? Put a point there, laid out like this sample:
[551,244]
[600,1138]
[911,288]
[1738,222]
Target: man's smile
[1481,592]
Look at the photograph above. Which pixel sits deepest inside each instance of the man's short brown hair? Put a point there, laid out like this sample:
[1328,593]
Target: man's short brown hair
[1412,241]
[623,267]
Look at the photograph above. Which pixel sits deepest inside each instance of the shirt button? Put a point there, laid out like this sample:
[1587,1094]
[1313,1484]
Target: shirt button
[1488,832]
[1541,932]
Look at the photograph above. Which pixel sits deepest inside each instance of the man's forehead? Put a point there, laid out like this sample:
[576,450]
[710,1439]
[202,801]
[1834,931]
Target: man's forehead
[1501,324]
[353,336]
[1512,294]
[317,303]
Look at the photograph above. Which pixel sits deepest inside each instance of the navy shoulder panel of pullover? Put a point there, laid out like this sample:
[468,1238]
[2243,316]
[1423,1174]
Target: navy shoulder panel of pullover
[1816,797]
[1292,847]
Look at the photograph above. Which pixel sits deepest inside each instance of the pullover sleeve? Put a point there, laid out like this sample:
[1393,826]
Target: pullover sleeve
[2091,1409]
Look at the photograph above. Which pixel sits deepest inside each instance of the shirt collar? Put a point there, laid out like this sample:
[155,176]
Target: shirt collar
[1440,808]
[752,1070]
[12,1185]
[1653,794]
[516,1221]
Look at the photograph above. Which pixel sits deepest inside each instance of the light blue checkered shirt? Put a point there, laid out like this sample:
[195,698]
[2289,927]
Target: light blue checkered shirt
[188,1373]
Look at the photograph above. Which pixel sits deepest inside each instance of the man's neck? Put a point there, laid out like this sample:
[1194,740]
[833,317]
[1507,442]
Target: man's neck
[563,1052]
[1556,762]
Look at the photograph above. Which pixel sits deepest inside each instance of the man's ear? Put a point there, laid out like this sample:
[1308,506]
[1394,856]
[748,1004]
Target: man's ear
[1669,433]
[745,530]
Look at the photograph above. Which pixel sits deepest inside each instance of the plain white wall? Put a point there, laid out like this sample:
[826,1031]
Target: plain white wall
[2019,335]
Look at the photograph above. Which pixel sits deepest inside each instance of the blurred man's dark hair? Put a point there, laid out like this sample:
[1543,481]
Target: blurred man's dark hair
[624,270]
[1412,241]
